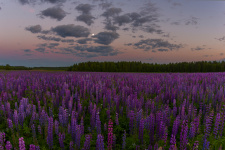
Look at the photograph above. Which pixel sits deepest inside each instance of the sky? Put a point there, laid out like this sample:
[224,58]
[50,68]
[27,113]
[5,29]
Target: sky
[64,32]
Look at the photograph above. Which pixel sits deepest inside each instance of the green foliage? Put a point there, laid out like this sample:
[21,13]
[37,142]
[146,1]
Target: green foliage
[201,66]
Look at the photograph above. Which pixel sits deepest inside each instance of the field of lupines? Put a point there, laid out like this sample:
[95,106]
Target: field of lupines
[121,111]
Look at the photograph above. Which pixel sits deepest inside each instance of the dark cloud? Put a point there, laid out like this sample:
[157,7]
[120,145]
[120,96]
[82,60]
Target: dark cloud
[176,23]
[86,18]
[53,45]
[162,50]
[221,54]
[191,21]
[105,5]
[141,36]
[48,38]
[23,2]
[110,26]
[156,44]
[71,30]
[40,49]
[34,29]
[84,8]
[67,40]
[112,12]
[126,29]
[123,19]
[90,51]
[84,41]
[106,38]
[176,4]
[145,19]
[27,50]
[152,29]
[149,9]
[207,55]
[54,13]
[221,39]
[197,48]
[99,50]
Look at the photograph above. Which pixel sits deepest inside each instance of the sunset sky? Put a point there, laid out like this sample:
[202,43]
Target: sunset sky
[64,32]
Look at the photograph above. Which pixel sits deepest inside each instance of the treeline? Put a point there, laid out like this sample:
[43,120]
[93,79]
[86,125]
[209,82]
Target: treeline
[8,67]
[201,66]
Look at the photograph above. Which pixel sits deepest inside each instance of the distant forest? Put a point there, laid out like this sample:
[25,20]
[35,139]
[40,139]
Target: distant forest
[201,66]
[123,66]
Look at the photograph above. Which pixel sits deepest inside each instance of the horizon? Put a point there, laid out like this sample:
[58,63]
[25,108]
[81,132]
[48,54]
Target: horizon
[59,33]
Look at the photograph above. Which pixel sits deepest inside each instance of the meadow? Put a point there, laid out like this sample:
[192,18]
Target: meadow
[111,111]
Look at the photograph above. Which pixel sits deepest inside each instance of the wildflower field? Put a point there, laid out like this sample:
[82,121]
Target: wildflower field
[111,111]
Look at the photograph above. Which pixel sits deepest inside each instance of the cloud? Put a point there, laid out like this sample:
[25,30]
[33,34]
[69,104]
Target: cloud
[67,40]
[27,50]
[191,21]
[221,39]
[207,55]
[221,54]
[156,44]
[84,41]
[34,29]
[71,30]
[152,29]
[176,4]
[105,5]
[84,8]
[86,18]
[110,26]
[197,48]
[106,38]
[89,51]
[112,12]
[176,23]
[53,45]
[48,38]
[23,2]
[40,49]
[54,13]
[123,19]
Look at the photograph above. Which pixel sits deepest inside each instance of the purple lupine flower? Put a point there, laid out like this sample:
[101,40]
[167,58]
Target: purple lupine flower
[56,127]
[73,128]
[98,123]
[208,123]
[39,129]
[15,117]
[192,130]
[71,145]
[87,142]
[110,134]
[165,135]
[50,133]
[131,123]
[205,144]
[65,117]
[172,142]
[21,144]
[175,126]
[82,125]
[8,145]
[93,115]
[10,124]
[217,124]
[183,135]
[195,146]
[61,139]
[141,130]
[32,147]
[78,136]
[151,121]
[116,120]
[100,142]
[124,140]
[33,130]
[2,138]
[37,147]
